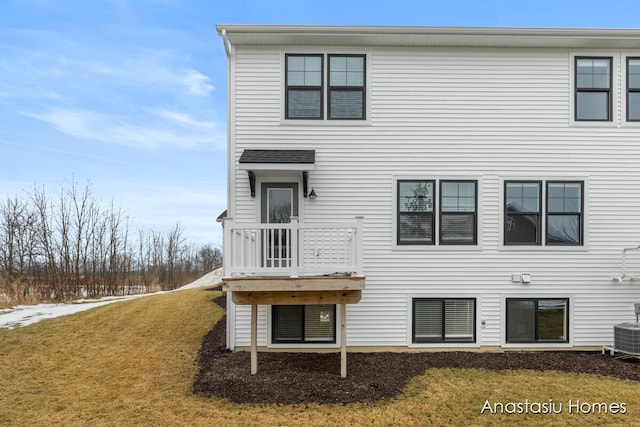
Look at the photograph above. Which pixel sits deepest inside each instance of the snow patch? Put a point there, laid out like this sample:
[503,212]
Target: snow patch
[209,279]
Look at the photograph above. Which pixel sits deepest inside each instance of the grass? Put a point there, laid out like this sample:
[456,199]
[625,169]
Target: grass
[133,363]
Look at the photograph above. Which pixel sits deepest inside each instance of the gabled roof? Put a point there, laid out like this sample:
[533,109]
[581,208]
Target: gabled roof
[278,156]
[315,35]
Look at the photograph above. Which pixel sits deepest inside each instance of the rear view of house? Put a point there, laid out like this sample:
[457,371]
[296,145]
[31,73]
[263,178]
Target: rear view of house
[414,187]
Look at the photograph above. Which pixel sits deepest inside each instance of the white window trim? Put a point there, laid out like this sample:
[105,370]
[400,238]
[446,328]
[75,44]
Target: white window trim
[411,344]
[325,121]
[617,115]
[271,344]
[437,178]
[543,179]
[537,345]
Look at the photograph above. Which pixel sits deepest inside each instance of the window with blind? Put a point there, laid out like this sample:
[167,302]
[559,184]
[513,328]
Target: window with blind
[439,320]
[304,87]
[346,87]
[458,212]
[306,76]
[303,323]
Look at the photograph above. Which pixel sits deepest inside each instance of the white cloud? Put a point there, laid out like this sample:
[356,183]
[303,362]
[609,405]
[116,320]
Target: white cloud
[196,82]
[184,119]
[142,131]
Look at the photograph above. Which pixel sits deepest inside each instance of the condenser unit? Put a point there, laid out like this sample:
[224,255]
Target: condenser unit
[626,337]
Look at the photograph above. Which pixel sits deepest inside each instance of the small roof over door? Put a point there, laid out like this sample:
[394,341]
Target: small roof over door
[302,160]
[278,160]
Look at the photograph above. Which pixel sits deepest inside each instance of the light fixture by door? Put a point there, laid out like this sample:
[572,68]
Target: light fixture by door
[313,194]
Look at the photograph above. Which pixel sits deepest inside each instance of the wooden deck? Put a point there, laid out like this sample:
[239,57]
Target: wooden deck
[329,289]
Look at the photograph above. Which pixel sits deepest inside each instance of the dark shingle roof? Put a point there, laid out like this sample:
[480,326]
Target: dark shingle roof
[278,156]
[222,216]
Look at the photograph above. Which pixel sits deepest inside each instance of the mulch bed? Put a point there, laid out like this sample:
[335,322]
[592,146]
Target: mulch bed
[287,378]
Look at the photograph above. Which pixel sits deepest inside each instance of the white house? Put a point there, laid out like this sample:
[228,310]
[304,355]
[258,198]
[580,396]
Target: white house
[469,188]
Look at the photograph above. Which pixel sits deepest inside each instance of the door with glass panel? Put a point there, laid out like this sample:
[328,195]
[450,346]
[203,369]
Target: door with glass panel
[279,204]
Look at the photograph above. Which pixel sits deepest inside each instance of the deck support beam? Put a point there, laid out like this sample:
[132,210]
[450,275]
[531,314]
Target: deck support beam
[343,340]
[254,339]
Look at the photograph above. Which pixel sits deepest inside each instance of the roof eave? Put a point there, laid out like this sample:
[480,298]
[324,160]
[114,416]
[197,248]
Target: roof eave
[431,36]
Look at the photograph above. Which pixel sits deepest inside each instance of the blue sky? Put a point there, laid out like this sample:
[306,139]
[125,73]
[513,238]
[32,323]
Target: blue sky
[131,94]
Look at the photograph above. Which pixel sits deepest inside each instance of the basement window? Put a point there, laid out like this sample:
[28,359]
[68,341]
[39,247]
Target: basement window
[439,320]
[303,324]
[537,320]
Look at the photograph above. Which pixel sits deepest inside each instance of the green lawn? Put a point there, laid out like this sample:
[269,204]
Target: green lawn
[133,363]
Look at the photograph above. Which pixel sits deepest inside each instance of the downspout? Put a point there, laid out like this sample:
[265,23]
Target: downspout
[230,326]
[225,41]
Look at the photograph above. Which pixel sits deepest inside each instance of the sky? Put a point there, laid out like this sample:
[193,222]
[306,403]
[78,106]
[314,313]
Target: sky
[129,96]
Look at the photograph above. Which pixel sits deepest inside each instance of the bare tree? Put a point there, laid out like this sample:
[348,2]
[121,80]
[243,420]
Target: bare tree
[75,246]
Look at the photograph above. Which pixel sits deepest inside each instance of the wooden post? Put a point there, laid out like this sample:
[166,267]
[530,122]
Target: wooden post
[254,339]
[358,247]
[343,340]
[293,247]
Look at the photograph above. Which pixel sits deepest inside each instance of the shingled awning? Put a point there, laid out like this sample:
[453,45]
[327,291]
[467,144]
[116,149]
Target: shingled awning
[274,160]
[275,157]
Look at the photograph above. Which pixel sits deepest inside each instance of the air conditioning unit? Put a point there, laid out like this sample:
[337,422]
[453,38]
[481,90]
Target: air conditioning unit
[626,337]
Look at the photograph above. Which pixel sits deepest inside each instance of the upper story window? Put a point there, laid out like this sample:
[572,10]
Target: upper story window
[306,76]
[593,88]
[457,217]
[346,87]
[523,210]
[633,89]
[304,87]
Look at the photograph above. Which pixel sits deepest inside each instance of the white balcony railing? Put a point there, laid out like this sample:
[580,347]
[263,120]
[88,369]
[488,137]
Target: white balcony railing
[292,249]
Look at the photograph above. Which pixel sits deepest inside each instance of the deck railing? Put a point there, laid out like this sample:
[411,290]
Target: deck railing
[292,249]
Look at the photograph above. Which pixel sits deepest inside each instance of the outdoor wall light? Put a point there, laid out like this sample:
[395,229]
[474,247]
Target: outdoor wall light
[313,194]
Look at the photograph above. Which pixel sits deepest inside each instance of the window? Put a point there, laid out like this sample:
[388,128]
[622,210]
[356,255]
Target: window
[457,219]
[303,323]
[563,206]
[564,213]
[458,212]
[522,213]
[305,80]
[537,320]
[415,212]
[346,87]
[633,89]
[593,88]
[443,320]
[304,87]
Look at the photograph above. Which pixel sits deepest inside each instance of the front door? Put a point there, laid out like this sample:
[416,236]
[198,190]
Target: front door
[279,204]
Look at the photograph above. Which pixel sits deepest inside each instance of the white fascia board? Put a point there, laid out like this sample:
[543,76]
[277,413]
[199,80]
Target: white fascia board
[431,36]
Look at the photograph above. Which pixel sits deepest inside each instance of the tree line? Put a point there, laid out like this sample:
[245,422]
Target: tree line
[71,245]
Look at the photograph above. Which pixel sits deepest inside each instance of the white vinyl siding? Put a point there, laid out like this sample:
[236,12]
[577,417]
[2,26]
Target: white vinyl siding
[462,114]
